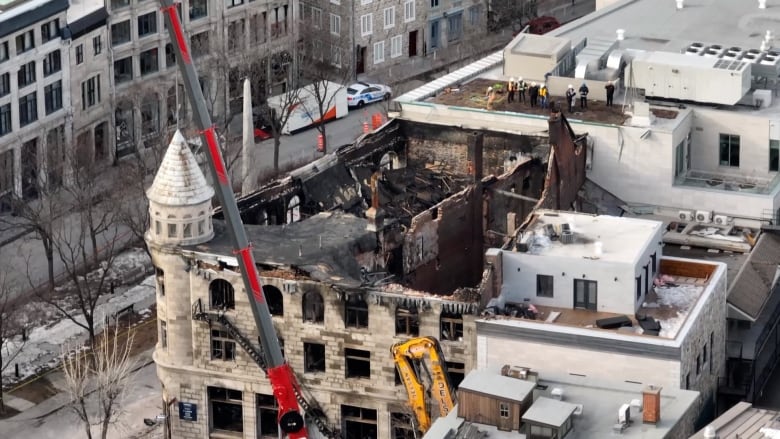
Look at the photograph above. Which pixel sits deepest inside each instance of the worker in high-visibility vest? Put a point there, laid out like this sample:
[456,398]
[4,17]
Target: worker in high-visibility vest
[510,88]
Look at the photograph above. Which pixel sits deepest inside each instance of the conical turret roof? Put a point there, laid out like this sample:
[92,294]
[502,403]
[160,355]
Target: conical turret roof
[179,181]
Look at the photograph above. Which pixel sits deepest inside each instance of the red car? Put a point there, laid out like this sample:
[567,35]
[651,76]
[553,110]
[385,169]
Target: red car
[262,134]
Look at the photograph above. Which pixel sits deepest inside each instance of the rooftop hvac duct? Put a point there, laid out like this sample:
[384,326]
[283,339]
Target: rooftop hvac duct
[732,53]
[713,51]
[694,49]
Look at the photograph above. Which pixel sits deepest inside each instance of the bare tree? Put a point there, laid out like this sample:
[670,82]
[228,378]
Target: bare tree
[327,74]
[278,113]
[514,13]
[89,240]
[12,339]
[105,373]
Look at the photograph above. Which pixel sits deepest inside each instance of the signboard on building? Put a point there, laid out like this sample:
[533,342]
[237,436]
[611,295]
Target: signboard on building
[188,411]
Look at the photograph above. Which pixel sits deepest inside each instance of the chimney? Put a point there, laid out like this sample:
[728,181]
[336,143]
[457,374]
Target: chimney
[475,142]
[651,402]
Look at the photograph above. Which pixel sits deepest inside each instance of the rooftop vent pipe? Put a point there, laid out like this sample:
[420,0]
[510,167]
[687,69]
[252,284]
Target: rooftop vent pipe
[761,4]
[621,34]
[680,4]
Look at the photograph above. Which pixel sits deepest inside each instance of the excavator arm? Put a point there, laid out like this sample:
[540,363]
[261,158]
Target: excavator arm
[416,349]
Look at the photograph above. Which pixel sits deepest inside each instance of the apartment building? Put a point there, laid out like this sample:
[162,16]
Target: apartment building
[35,116]
[385,39]
[229,41]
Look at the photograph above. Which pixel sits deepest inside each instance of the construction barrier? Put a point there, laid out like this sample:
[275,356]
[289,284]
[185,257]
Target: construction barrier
[320,143]
[376,120]
[365,127]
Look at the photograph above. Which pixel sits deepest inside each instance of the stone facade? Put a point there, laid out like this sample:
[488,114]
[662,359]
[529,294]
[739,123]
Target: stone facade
[35,127]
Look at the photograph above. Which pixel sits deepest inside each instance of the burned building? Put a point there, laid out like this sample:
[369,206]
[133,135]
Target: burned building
[378,242]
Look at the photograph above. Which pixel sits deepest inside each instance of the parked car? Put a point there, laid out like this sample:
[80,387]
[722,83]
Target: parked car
[262,127]
[361,93]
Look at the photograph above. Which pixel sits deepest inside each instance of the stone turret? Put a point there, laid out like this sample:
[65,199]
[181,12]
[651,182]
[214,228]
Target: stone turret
[180,214]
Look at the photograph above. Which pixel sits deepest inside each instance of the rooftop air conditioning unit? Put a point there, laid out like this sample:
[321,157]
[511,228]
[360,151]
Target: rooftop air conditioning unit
[704,216]
[685,215]
[624,414]
[557,393]
[722,220]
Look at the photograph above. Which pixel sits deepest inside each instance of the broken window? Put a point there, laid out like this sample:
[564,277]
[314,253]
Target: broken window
[160,277]
[451,326]
[313,308]
[313,357]
[358,363]
[274,299]
[222,294]
[294,210]
[455,373]
[401,426]
[355,312]
[267,415]
[359,423]
[407,321]
[223,347]
[226,409]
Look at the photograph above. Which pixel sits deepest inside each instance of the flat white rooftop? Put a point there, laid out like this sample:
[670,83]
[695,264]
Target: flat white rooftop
[600,403]
[620,239]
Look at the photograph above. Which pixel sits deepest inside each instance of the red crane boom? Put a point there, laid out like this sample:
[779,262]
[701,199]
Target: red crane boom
[283,381]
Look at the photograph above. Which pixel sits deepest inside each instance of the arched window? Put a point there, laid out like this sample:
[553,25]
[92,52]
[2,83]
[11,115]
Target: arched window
[294,210]
[221,294]
[274,299]
[313,307]
[407,321]
[355,312]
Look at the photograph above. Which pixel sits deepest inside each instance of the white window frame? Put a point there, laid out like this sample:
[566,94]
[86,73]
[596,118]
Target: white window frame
[366,25]
[389,13]
[366,2]
[396,46]
[336,2]
[408,11]
[434,4]
[379,52]
[316,17]
[335,24]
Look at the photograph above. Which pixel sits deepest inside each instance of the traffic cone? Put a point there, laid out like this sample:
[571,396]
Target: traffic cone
[376,120]
[365,127]
[320,143]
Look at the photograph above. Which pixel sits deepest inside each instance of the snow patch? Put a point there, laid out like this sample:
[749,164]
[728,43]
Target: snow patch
[680,297]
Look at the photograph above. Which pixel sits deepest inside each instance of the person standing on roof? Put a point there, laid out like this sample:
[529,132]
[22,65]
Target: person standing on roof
[570,96]
[522,86]
[610,87]
[533,94]
[543,95]
[584,96]
[510,88]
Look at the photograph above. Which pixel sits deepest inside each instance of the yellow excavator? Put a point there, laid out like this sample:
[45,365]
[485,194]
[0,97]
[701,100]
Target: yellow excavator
[408,353]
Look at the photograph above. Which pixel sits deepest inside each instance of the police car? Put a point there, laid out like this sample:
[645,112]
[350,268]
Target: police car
[361,93]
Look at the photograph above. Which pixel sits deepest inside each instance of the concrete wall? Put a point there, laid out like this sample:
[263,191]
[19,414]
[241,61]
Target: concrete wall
[556,363]
[520,270]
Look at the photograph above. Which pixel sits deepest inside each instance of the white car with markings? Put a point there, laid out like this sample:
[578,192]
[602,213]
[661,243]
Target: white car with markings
[362,93]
